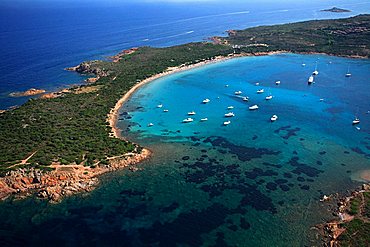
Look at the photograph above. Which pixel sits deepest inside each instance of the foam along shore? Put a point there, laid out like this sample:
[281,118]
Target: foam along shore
[64,180]
[113,115]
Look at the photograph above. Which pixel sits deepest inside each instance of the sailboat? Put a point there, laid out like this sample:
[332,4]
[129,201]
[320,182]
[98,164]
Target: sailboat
[356,120]
[316,72]
[348,74]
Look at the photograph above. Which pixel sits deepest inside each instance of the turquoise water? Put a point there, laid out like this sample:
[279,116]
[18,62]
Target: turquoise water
[251,183]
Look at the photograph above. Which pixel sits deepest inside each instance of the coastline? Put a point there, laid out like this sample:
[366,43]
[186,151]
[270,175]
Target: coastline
[113,115]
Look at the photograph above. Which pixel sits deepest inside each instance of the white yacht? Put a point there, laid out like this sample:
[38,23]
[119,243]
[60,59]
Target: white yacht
[150,124]
[227,122]
[191,113]
[230,107]
[310,80]
[260,91]
[230,114]
[253,107]
[269,97]
[204,119]
[277,82]
[274,118]
[160,106]
[205,101]
[238,92]
[187,120]
[245,98]
[356,121]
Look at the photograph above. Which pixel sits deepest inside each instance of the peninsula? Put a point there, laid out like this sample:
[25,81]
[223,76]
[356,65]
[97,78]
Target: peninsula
[56,146]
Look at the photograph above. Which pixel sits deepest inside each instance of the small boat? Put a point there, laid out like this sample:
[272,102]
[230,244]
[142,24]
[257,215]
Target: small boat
[358,128]
[227,122]
[238,92]
[226,85]
[260,91]
[160,106]
[274,118]
[269,97]
[245,98]
[303,64]
[321,100]
[277,82]
[230,114]
[165,110]
[187,120]
[191,113]
[310,80]
[150,124]
[204,119]
[205,101]
[257,83]
[253,107]
[230,107]
[356,121]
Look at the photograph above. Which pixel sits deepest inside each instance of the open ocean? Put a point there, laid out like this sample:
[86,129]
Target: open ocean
[251,183]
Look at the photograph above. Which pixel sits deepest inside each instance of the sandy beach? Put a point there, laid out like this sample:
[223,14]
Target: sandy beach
[113,115]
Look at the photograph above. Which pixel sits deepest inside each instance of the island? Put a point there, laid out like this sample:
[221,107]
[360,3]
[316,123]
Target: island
[58,145]
[336,10]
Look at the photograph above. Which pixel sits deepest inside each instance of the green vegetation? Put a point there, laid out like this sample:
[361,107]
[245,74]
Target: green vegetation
[358,230]
[341,37]
[357,234]
[73,127]
[355,205]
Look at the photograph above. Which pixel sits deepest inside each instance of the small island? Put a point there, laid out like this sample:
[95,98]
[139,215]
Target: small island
[29,92]
[336,10]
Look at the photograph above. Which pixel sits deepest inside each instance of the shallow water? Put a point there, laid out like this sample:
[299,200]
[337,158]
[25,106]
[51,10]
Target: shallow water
[251,183]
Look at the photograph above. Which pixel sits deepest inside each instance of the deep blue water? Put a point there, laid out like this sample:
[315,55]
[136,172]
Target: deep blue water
[39,40]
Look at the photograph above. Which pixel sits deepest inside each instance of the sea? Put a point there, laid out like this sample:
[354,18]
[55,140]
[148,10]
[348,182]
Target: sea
[251,183]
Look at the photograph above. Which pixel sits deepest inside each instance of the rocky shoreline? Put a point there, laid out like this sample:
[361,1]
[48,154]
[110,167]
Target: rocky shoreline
[29,92]
[63,180]
[339,206]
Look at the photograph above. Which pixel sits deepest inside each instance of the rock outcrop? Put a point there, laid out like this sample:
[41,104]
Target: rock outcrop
[29,92]
[64,180]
